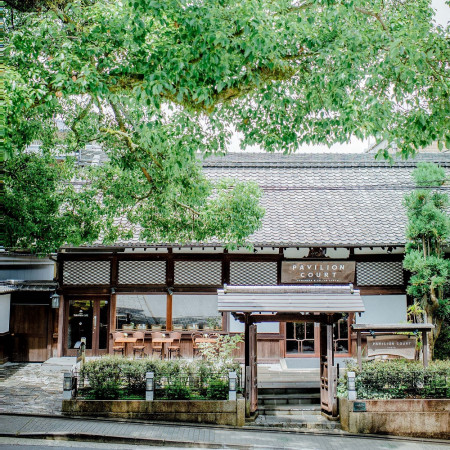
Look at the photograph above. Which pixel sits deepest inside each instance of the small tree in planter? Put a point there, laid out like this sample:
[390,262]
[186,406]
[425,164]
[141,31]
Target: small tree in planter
[428,231]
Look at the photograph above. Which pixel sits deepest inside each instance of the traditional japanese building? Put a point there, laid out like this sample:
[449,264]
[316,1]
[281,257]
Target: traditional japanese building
[332,221]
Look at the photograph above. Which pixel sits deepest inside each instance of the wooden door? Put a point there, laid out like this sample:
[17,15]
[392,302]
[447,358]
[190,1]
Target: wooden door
[328,381]
[253,368]
[89,319]
[29,332]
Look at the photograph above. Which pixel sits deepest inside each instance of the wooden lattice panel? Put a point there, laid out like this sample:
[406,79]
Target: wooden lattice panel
[86,272]
[246,273]
[379,273]
[206,273]
[142,272]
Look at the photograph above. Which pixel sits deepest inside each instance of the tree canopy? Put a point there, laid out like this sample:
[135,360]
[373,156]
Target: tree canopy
[155,82]
[428,233]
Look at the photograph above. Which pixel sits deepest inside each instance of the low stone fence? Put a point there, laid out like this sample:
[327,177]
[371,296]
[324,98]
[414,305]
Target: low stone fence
[429,418]
[220,412]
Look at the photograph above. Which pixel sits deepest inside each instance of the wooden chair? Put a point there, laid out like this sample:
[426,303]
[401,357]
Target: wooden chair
[118,346]
[139,346]
[195,348]
[157,347]
[175,345]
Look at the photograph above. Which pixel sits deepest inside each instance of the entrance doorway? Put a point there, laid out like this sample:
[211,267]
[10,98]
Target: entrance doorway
[87,318]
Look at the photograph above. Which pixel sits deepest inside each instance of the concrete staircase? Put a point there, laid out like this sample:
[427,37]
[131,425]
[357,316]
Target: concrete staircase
[291,400]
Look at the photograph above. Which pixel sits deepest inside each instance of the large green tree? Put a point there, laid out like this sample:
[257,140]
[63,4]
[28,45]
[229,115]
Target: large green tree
[155,82]
[428,233]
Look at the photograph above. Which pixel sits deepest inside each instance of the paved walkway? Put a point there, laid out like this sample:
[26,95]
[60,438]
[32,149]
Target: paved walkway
[193,436]
[34,388]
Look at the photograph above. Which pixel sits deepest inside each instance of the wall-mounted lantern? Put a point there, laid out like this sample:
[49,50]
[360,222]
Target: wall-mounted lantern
[55,300]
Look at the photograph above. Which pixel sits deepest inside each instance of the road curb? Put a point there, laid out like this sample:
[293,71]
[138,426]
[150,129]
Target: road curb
[267,429]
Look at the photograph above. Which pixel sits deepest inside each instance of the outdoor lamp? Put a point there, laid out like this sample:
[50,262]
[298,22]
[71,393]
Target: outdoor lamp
[67,386]
[149,386]
[232,385]
[55,300]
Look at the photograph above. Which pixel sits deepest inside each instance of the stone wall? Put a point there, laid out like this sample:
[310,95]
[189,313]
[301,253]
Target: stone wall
[220,412]
[429,418]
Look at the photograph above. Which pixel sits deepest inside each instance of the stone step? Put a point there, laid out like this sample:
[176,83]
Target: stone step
[289,410]
[313,384]
[296,422]
[289,399]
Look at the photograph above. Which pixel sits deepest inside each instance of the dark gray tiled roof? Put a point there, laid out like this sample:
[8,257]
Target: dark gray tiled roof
[323,199]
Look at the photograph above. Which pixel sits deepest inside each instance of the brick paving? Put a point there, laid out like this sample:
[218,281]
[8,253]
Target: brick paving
[192,435]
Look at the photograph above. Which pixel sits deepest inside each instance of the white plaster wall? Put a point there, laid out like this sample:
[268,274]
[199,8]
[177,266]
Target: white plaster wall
[383,309]
[5,301]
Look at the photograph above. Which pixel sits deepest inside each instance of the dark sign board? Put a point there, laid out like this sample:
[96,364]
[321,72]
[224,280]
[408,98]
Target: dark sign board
[359,406]
[317,272]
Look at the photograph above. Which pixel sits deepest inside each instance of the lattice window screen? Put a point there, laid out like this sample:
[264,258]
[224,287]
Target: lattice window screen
[244,273]
[207,273]
[379,273]
[142,272]
[86,272]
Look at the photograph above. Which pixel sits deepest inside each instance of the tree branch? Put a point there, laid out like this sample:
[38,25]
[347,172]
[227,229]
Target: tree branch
[376,15]
[193,211]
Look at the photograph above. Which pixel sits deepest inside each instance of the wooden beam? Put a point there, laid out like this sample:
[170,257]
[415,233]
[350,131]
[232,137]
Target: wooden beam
[358,349]
[169,304]
[61,327]
[112,319]
[287,317]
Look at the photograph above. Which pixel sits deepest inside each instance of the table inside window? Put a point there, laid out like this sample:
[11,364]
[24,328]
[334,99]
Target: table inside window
[126,341]
[163,341]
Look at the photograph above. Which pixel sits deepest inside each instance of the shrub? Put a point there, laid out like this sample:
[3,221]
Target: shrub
[104,377]
[217,390]
[178,391]
[399,379]
[115,377]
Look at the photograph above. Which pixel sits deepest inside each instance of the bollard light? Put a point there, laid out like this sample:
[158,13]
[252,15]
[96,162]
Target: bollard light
[67,381]
[351,385]
[67,386]
[149,386]
[232,378]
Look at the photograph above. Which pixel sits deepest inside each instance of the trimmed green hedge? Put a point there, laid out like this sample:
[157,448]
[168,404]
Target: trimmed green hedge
[114,377]
[399,379]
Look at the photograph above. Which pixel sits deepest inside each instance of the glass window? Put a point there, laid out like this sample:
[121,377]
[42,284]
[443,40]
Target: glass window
[144,310]
[80,323]
[196,312]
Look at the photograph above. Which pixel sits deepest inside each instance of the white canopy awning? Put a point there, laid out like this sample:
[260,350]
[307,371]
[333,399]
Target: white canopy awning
[290,299]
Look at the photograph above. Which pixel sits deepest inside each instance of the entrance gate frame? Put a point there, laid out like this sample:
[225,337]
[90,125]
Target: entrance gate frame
[328,371]
[320,304]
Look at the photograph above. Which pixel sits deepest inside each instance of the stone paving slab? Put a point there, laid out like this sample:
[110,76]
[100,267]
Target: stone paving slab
[33,388]
[194,435]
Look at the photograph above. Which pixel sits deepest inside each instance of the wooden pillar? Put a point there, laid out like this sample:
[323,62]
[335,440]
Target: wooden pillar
[112,320]
[61,327]
[169,304]
[247,372]
[358,349]
[425,348]
[253,338]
